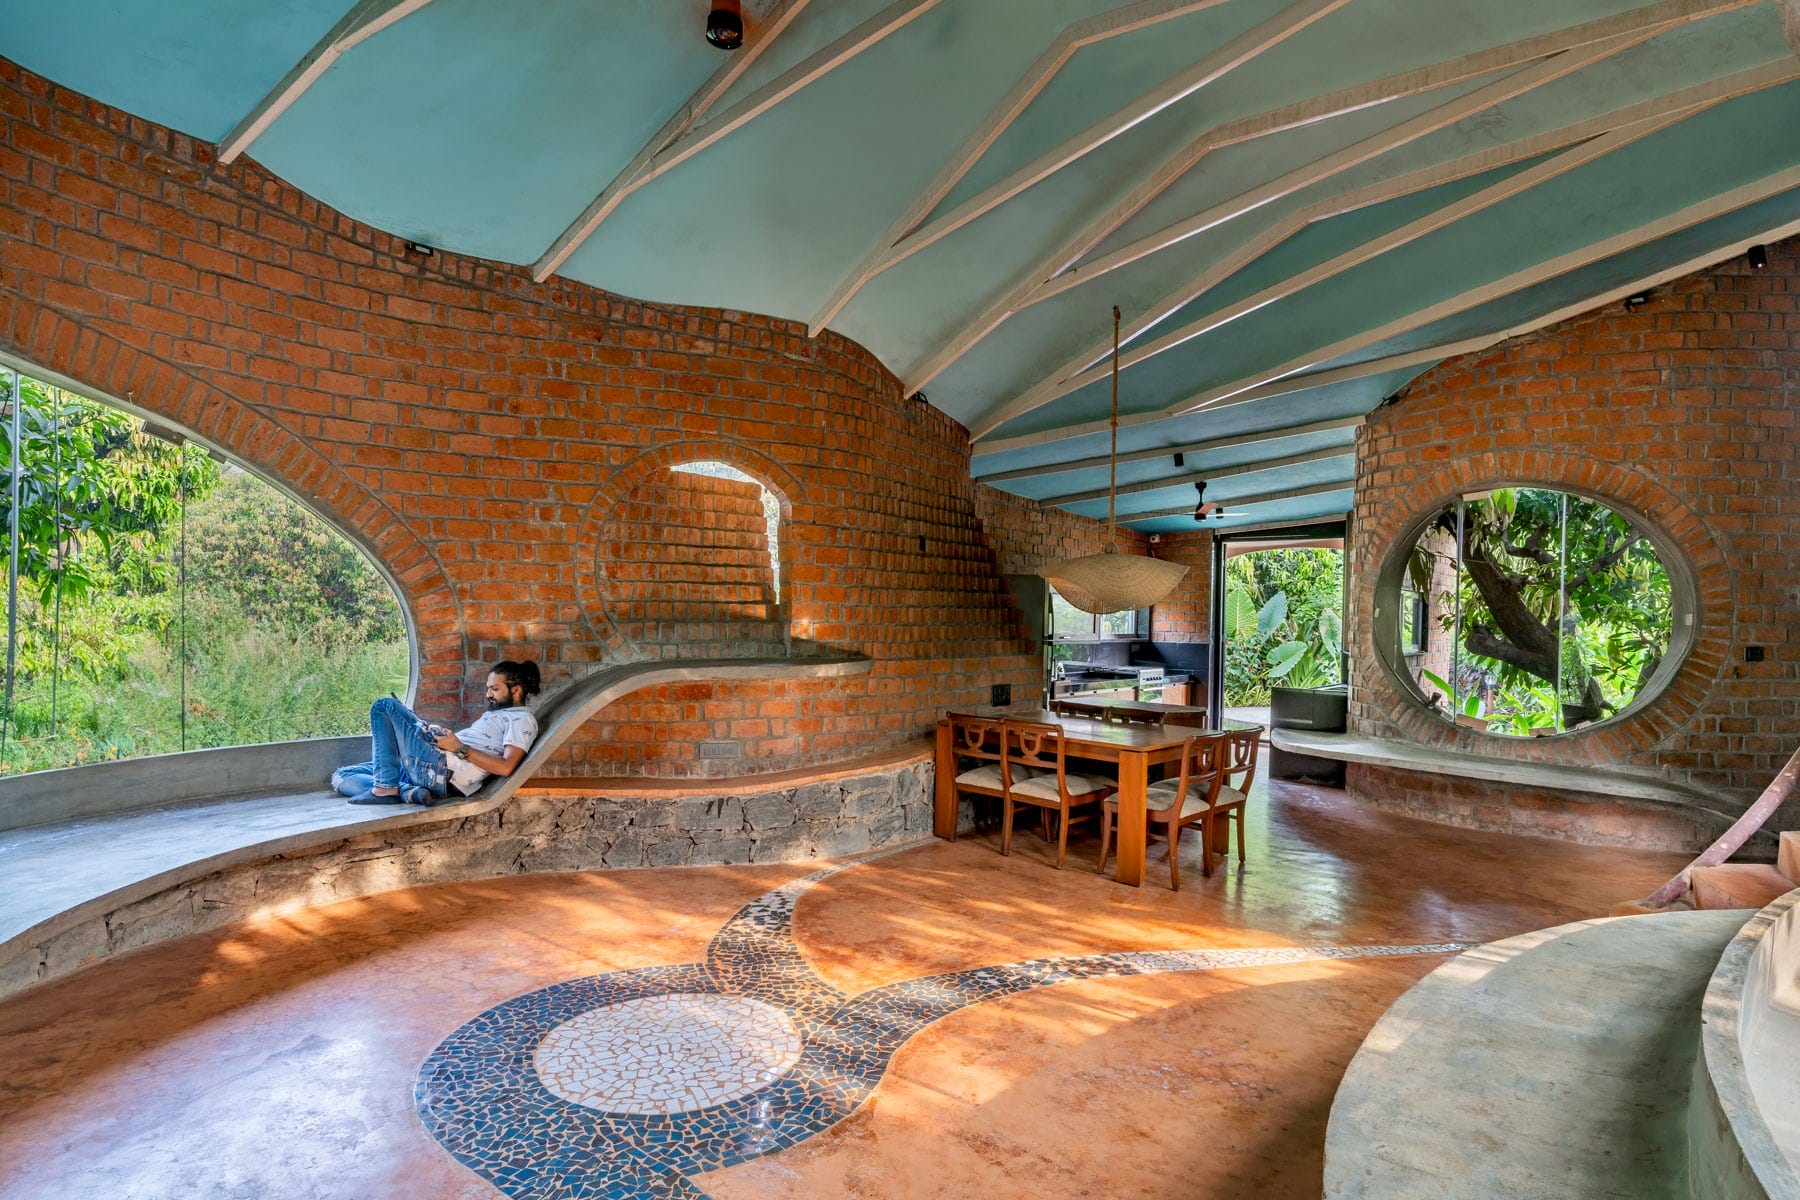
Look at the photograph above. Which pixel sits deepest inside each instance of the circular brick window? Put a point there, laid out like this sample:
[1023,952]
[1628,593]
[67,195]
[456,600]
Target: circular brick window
[1525,611]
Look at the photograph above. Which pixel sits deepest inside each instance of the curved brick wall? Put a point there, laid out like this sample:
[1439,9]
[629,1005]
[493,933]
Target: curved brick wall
[1684,412]
[474,430]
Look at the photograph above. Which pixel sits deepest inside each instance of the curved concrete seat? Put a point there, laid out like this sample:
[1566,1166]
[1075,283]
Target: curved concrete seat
[1670,815]
[61,877]
[1556,1064]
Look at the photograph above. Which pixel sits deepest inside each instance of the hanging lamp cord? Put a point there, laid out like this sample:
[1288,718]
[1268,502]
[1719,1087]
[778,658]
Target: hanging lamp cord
[1112,458]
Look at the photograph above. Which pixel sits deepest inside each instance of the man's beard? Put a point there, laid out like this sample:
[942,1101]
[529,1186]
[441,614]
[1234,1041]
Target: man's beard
[497,705]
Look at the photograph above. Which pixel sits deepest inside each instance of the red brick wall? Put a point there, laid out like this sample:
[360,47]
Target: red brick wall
[475,430]
[1685,412]
[1186,615]
[683,569]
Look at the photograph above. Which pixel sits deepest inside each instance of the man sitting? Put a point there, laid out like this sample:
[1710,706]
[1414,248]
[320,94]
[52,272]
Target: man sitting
[418,763]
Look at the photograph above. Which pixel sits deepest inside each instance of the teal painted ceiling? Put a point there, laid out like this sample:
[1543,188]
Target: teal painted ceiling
[1298,205]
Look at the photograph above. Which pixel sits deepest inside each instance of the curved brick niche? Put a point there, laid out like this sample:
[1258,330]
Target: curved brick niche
[683,559]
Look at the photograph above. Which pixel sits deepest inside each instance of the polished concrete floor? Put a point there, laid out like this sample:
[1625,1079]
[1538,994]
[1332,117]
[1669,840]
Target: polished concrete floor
[317,1055]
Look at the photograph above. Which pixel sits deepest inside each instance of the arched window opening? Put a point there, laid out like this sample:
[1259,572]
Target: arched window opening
[1530,612]
[161,598]
[688,564]
[771,507]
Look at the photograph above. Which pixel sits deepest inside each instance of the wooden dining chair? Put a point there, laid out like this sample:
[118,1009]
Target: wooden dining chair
[976,741]
[1241,747]
[1192,798]
[1126,717]
[1038,749]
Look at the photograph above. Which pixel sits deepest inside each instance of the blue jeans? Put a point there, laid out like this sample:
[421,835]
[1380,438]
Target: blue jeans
[405,757]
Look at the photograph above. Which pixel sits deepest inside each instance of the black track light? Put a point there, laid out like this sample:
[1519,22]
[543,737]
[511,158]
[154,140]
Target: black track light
[1758,257]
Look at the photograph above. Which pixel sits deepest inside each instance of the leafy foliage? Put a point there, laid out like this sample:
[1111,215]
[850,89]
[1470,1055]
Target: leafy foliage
[1282,622]
[281,630]
[1563,606]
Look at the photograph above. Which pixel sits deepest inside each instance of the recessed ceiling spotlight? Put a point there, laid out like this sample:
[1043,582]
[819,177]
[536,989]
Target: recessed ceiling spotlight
[420,249]
[725,24]
[1758,257]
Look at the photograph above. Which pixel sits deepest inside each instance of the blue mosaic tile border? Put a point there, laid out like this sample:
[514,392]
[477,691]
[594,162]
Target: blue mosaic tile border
[479,1095]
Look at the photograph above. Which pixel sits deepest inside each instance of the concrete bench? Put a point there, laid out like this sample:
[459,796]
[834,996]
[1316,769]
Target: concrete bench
[1592,805]
[101,883]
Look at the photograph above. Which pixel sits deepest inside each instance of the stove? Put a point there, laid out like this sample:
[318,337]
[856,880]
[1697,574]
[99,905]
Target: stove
[1149,683]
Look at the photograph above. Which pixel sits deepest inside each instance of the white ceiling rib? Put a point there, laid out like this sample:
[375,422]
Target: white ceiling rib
[1741,197]
[1568,51]
[1672,109]
[1137,456]
[1676,105]
[1322,454]
[1084,33]
[1221,62]
[364,21]
[757,40]
[698,135]
[1293,493]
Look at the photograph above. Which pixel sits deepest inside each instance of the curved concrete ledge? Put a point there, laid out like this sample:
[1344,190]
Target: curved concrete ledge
[1593,805]
[132,784]
[1555,1065]
[65,880]
[1744,1127]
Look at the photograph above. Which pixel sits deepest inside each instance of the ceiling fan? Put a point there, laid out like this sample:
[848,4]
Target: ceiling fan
[1204,508]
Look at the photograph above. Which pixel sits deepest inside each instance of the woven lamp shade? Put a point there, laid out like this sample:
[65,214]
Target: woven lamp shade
[1111,582]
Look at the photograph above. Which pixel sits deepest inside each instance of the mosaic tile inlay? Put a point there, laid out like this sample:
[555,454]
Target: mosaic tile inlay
[623,1085]
[667,1054]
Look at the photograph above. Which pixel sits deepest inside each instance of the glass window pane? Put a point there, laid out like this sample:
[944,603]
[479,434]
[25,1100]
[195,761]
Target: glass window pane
[1555,611]
[1123,622]
[1068,621]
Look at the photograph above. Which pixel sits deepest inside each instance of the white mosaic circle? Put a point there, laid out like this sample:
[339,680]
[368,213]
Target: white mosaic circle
[667,1054]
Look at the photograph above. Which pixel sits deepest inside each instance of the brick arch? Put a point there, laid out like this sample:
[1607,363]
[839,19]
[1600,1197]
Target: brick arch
[106,367]
[1627,490]
[715,622]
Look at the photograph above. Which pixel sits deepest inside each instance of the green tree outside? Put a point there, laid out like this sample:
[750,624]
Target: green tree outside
[155,582]
[1283,622]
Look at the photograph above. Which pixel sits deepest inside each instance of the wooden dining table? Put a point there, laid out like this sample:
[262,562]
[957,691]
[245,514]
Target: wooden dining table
[1134,749]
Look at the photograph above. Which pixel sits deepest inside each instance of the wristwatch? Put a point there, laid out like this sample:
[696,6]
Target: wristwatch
[461,752]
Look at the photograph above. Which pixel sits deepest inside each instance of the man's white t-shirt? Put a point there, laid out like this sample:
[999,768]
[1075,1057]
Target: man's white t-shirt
[491,733]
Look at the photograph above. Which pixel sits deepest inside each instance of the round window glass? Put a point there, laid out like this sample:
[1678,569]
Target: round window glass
[1528,612]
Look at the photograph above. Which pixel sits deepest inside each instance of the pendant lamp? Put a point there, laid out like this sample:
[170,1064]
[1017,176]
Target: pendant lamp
[1110,581]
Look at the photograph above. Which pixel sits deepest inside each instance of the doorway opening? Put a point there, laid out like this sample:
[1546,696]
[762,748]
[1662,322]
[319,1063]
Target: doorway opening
[1278,616]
